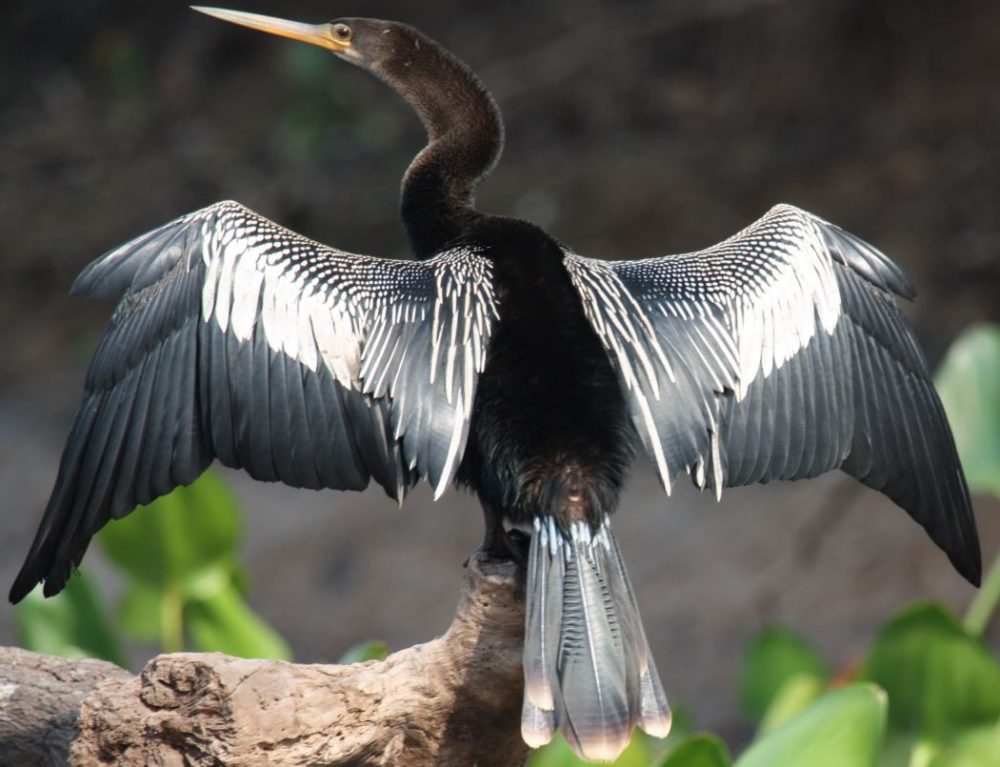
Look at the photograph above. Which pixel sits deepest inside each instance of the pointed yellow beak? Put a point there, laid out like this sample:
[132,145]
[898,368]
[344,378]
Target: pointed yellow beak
[316,34]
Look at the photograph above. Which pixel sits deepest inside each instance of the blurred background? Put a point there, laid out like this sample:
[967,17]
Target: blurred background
[634,129]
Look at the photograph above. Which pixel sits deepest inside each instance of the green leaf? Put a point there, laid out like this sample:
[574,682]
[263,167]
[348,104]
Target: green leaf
[636,754]
[140,614]
[984,603]
[776,656]
[969,384]
[373,650]
[179,554]
[681,728]
[939,678]
[977,747]
[173,540]
[898,749]
[794,696]
[72,624]
[225,623]
[698,751]
[180,549]
[842,729]
[559,754]
[681,724]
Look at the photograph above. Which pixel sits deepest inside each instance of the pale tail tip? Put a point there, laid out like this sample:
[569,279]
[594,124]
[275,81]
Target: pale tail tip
[657,726]
[535,738]
[537,725]
[603,748]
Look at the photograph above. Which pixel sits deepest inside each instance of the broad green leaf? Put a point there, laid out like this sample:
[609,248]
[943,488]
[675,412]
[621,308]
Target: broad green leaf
[636,754]
[978,747]
[144,610]
[775,656]
[363,651]
[173,540]
[985,602]
[681,724]
[939,678]
[923,753]
[559,754]
[72,624]
[898,749]
[842,729]
[140,613]
[796,695]
[969,384]
[698,751]
[238,574]
[225,623]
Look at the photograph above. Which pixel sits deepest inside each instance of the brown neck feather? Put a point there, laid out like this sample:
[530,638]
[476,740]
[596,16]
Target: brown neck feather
[465,138]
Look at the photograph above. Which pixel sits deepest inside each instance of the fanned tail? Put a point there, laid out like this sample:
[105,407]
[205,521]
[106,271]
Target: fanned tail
[587,667]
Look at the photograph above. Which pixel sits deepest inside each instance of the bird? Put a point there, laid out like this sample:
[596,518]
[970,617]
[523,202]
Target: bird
[500,360]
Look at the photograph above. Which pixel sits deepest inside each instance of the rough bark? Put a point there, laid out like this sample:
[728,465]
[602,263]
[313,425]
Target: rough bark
[40,698]
[453,701]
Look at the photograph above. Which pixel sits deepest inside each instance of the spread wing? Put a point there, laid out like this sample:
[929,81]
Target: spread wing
[780,353]
[241,340]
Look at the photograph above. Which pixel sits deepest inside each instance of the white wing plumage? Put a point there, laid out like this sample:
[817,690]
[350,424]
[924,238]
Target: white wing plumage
[239,339]
[780,353]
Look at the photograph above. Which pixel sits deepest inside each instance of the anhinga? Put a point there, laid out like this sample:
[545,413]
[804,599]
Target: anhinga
[504,362]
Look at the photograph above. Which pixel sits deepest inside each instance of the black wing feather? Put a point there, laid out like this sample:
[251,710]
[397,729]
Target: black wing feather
[238,339]
[801,361]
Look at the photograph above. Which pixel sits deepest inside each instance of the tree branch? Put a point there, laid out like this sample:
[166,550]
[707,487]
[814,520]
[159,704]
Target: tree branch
[455,700]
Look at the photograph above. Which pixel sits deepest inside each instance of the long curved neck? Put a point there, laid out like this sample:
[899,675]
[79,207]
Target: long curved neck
[465,138]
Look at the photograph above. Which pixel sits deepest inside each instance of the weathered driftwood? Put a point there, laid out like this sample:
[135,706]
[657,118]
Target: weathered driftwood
[453,701]
[40,698]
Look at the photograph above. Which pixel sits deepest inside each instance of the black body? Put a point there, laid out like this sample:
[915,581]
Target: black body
[550,424]
[549,418]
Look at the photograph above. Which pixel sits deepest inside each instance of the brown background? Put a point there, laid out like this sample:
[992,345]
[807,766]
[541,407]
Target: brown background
[634,129]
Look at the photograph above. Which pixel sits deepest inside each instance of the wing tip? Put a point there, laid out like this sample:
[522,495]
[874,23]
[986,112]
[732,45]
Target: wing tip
[863,257]
[968,561]
[23,585]
[956,532]
[440,486]
[38,567]
[52,577]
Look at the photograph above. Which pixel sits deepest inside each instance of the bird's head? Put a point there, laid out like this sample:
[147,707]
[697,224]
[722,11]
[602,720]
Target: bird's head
[368,43]
[464,127]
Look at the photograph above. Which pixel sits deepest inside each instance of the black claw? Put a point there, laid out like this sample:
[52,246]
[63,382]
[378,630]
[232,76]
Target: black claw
[506,546]
[501,544]
[518,543]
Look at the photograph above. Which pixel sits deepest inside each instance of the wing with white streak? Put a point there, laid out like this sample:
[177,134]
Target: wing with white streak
[780,353]
[241,340]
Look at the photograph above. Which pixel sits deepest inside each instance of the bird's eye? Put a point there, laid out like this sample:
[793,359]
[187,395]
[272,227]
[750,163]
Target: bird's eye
[342,32]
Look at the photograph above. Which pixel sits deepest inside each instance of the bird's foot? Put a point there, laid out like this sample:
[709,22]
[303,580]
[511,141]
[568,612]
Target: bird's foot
[506,545]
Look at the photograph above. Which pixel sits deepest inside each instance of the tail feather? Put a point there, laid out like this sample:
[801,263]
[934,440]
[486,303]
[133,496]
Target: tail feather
[541,631]
[598,684]
[654,717]
[588,670]
[538,725]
